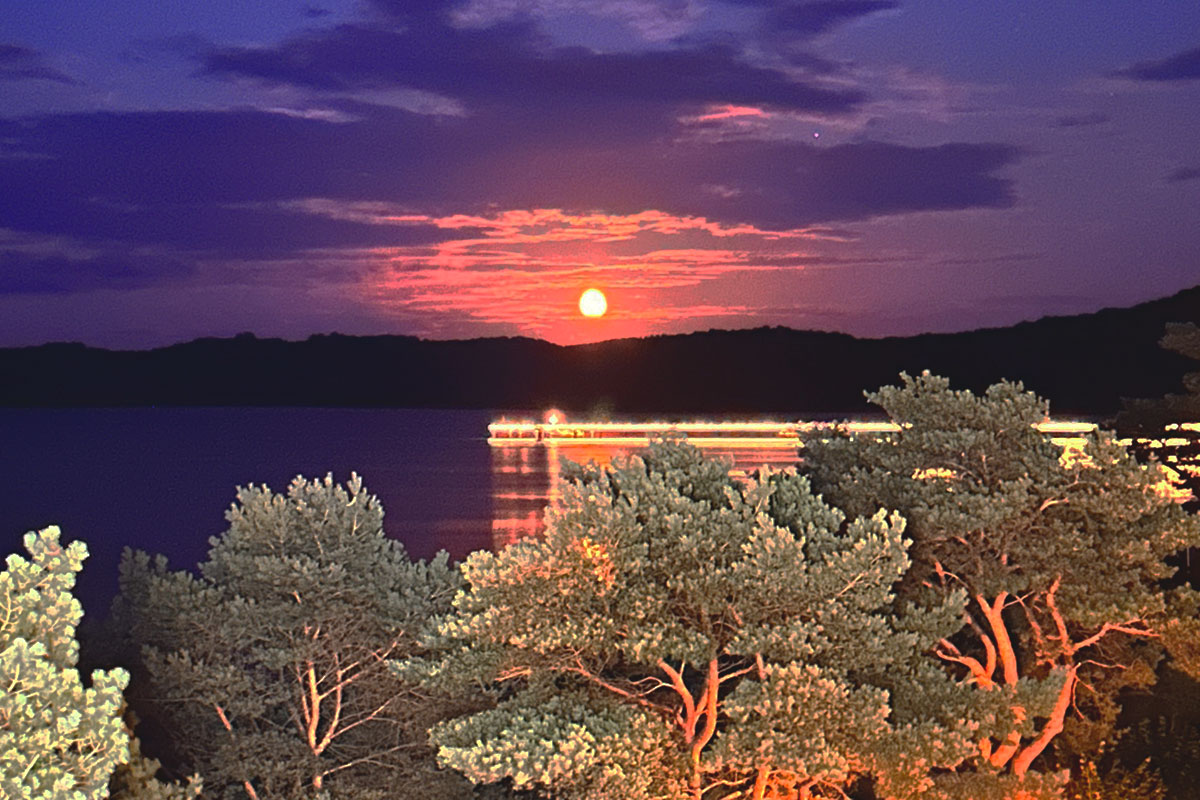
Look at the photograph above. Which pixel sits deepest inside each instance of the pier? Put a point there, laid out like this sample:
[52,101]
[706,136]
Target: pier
[705,434]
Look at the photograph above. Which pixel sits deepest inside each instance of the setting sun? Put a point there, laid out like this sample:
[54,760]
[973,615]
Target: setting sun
[593,303]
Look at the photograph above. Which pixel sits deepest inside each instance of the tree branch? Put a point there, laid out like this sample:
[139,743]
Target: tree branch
[331,729]
[687,721]
[995,618]
[1053,726]
[980,674]
[249,787]
[617,690]
[1105,629]
[712,685]
[314,710]
[1012,742]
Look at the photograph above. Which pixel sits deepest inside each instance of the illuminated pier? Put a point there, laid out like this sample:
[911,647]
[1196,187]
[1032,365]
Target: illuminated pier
[761,434]
[526,454]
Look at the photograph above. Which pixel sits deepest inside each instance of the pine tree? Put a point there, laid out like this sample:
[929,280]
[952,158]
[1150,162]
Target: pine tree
[678,633]
[1061,555]
[58,739]
[269,669]
[137,779]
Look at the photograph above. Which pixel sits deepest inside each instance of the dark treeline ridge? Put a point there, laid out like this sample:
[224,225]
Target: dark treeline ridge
[1085,363]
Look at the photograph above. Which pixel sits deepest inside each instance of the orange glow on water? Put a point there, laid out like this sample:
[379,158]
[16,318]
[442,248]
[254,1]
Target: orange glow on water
[526,455]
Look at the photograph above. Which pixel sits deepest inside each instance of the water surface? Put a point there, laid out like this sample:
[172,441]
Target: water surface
[160,479]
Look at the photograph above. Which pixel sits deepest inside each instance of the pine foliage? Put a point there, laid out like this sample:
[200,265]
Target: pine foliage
[1171,745]
[1113,782]
[58,739]
[678,633]
[1062,554]
[269,668]
[138,779]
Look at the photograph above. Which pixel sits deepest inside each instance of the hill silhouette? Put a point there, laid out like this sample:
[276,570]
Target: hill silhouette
[1084,364]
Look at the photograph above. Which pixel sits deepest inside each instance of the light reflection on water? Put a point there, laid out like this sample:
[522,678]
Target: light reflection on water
[160,479]
[525,474]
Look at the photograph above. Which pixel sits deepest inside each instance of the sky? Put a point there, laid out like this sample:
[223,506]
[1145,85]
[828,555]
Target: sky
[465,168]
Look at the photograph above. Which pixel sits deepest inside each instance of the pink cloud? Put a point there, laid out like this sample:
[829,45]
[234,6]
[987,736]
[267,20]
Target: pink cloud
[524,270]
[730,112]
[540,299]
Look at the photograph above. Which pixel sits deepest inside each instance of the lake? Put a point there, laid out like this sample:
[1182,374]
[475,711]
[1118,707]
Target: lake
[161,479]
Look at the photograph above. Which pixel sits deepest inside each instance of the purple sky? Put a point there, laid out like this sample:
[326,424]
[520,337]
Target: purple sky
[459,169]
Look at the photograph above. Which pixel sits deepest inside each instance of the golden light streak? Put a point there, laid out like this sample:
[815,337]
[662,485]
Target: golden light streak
[769,433]
[641,441]
[526,455]
[744,436]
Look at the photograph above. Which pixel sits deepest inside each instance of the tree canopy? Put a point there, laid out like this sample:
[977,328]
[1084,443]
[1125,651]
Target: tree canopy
[951,610]
[679,633]
[1062,554]
[269,668]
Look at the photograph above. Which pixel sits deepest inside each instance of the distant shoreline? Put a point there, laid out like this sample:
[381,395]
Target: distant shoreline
[1084,365]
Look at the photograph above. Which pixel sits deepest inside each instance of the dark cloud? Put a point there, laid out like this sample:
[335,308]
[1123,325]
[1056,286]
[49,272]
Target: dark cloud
[209,230]
[785,185]
[545,127]
[773,185]
[22,63]
[812,64]
[427,11]
[315,12]
[213,158]
[25,273]
[1180,67]
[186,46]
[171,177]
[510,63]
[810,19]
[1081,120]
[1184,174]
[209,183]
